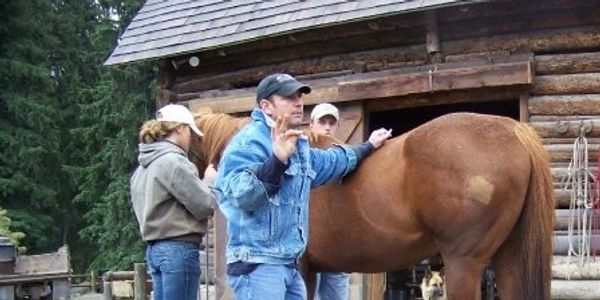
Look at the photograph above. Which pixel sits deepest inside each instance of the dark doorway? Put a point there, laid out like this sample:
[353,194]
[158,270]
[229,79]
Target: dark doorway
[404,284]
[403,120]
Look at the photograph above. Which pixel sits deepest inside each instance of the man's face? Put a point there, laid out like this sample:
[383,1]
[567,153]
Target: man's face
[292,105]
[327,125]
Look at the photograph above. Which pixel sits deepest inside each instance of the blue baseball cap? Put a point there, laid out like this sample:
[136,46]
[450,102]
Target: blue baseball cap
[280,84]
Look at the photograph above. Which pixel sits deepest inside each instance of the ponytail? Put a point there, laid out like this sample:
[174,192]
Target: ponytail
[154,130]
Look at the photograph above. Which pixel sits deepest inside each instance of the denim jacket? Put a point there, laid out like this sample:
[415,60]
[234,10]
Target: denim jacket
[268,223]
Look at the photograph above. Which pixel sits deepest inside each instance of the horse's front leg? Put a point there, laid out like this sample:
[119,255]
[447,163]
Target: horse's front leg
[463,278]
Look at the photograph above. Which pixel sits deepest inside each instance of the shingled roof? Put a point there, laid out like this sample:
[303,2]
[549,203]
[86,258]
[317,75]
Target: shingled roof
[165,28]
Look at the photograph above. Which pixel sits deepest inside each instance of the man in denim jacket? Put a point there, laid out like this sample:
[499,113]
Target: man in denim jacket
[263,186]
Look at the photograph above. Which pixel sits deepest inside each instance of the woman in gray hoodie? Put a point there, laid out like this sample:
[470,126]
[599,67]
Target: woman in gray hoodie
[171,203]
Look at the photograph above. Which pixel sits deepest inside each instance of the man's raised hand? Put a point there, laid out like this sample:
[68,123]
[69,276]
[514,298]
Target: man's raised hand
[284,139]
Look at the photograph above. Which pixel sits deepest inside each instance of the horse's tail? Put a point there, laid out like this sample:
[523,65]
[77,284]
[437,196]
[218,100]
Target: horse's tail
[536,223]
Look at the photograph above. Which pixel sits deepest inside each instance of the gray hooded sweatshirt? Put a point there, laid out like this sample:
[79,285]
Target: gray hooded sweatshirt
[169,199]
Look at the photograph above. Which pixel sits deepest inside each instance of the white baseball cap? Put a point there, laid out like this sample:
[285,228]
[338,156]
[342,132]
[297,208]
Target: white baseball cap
[324,109]
[178,113]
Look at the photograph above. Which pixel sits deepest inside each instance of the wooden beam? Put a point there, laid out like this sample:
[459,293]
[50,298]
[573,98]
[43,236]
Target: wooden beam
[564,152]
[574,289]
[518,21]
[567,63]
[239,77]
[565,268]
[570,129]
[563,39]
[444,97]
[587,83]
[562,198]
[500,9]
[565,105]
[370,85]
[523,110]
[432,41]
[564,215]
[443,80]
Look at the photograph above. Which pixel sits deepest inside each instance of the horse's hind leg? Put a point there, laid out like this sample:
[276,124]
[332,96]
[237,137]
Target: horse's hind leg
[505,264]
[463,278]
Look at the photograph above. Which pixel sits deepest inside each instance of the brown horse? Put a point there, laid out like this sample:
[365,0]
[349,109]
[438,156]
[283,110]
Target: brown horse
[474,188]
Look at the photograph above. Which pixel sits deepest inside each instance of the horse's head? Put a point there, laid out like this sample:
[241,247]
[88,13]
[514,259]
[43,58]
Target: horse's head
[218,130]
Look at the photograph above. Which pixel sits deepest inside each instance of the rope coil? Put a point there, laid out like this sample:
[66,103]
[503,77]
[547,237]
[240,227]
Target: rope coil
[582,185]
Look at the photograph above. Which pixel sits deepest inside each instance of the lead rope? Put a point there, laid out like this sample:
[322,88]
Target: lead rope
[578,182]
[596,209]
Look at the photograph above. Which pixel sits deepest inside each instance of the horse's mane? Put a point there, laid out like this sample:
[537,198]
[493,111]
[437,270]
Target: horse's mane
[218,130]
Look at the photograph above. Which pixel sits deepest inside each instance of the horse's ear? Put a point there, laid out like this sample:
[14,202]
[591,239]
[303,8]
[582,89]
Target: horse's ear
[443,271]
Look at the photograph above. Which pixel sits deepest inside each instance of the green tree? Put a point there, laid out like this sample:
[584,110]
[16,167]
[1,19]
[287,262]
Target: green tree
[5,230]
[110,114]
[29,123]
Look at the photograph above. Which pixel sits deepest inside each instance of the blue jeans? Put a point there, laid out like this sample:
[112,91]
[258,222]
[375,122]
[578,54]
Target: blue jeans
[272,282]
[332,286]
[175,269]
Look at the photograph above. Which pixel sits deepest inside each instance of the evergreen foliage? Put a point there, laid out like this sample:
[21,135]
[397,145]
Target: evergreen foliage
[68,127]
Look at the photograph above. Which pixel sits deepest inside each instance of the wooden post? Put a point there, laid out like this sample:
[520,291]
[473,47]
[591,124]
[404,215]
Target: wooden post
[432,40]
[107,293]
[223,291]
[139,290]
[93,281]
[524,108]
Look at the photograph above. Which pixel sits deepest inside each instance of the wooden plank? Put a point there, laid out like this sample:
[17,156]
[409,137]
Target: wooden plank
[507,8]
[523,110]
[41,264]
[239,76]
[562,198]
[543,118]
[518,21]
[574,289]
[222,289]
[370,86]
[564,39]
[443,80]
[432,41]
[564,153]
[567,129]
[588,83]
[565,105]
[566,268]
[560,173]
[561,243]
[444,97]
[139,289]
[246,102]
[567,63]
[564,215]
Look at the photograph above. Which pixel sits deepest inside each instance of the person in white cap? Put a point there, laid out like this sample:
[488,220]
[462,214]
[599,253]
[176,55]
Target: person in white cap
[324,119]
[172,205]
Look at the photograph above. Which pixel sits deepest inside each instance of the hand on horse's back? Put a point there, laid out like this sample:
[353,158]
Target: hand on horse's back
[284,139]
[379,136]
